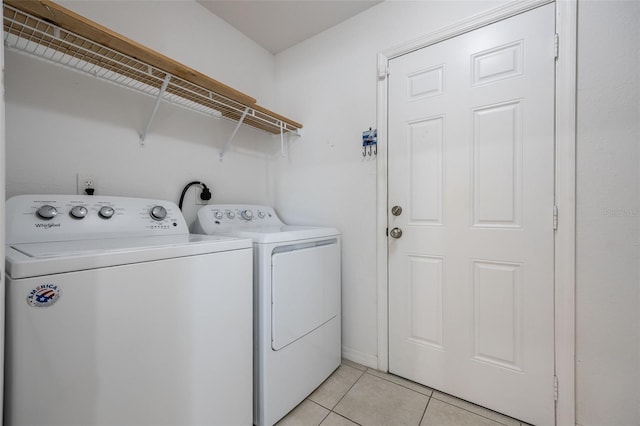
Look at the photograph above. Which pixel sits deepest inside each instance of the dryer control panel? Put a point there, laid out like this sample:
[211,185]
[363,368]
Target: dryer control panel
[214,217]
[239,214]
[42,218]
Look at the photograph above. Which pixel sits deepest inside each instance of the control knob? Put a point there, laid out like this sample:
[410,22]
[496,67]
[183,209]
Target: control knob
[230,214]
[247,214]
[47,212]
[78,212]
[218,214]
[260,214]
[158,213]
[106,212]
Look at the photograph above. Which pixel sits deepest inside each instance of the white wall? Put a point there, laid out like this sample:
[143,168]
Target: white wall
[2,231]
[608,214]
[60,122]
[329,82]
[188,33]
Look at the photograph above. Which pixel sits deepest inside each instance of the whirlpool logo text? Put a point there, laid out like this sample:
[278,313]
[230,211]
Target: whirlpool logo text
[47,225]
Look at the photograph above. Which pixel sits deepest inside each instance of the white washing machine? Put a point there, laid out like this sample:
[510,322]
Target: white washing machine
[115,315]
[297,303]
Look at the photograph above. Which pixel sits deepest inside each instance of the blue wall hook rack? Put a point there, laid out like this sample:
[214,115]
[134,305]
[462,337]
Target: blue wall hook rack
[370,142]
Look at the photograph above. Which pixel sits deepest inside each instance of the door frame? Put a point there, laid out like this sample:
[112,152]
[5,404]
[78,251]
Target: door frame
[565,186]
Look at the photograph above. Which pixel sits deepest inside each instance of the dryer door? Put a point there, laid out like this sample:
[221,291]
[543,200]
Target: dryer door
[305,291]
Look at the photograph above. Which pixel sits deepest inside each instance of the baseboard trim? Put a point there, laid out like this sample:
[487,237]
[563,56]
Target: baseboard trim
[362,358]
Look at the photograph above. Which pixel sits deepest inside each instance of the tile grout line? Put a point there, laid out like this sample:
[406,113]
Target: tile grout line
[432,395]
[344,417]
[399,384]
[326,415]
[424,413]
[325,381]
[479,415]
[404,387]
[345,394]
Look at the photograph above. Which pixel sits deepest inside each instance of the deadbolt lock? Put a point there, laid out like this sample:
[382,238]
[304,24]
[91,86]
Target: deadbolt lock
[396,210]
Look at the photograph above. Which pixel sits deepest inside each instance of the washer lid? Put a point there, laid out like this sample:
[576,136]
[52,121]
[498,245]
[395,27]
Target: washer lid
[35,259]
[278,234]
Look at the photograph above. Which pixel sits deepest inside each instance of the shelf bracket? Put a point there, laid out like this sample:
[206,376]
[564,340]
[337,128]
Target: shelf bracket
[165,83]
[282,139]
[230,140]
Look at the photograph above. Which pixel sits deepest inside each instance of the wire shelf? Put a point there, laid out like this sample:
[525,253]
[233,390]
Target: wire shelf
[31,35]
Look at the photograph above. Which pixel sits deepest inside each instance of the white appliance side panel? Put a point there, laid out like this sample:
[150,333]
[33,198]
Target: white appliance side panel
[158,343]
[290,375]
[305,291]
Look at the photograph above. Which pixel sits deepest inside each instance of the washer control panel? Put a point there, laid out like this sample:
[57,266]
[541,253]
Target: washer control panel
[214,216]
[42,218]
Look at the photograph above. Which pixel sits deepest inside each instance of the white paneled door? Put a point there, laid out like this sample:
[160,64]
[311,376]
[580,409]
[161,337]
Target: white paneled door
[471,202]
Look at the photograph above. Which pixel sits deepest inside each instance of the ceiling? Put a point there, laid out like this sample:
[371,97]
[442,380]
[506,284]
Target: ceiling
[279,24]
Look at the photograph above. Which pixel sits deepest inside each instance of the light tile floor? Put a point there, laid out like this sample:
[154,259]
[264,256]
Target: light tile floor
[356,395]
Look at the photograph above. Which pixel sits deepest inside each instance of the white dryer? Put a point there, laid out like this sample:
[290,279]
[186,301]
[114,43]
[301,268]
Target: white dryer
[115,315]
[297,340]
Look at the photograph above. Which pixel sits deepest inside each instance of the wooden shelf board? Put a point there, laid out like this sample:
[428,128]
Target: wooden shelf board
[66,19]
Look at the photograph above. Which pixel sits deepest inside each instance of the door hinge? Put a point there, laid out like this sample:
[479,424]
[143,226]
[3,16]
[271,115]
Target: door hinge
[555,388]
[386,232]
[555,218]
[556,46]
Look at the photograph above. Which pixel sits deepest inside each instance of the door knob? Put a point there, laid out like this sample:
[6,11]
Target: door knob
[396,210]
[396,233]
